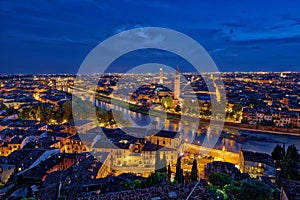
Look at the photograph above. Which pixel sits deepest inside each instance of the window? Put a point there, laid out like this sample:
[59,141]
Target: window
[259,164]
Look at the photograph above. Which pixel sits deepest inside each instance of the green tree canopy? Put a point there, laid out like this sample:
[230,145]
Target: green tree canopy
[278,154]
[153,179]
[220,179]
[168,102]
[254,189]
[290,164]
[67,111]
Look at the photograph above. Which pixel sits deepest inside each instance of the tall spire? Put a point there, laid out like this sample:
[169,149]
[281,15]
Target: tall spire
[177,84]
[161,81]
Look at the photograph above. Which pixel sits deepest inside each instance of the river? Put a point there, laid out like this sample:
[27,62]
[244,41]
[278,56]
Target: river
[248,140]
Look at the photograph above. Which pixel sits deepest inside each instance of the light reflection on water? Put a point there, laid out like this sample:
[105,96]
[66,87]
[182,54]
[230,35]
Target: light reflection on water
[248,140]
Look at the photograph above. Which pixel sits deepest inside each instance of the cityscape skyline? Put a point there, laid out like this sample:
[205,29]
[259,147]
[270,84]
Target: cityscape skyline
[58,134]
[149,100]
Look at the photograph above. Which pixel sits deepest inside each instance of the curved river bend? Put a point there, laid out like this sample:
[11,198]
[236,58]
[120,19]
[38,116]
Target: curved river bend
[248,140]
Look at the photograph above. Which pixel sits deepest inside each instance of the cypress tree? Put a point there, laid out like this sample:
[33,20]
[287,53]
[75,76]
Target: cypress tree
[178,173]
[290,164]
[169,172]
[194,173]
[277,155]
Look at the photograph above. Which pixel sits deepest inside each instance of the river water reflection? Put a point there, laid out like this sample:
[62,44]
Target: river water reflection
[248,140]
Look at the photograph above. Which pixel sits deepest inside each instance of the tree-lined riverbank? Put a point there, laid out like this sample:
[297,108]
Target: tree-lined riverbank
[177,116]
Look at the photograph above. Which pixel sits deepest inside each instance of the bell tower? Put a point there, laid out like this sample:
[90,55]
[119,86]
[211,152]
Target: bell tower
[177,83]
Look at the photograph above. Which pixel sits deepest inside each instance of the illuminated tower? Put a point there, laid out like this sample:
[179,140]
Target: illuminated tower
[218,94]
[161,81]
[177,84]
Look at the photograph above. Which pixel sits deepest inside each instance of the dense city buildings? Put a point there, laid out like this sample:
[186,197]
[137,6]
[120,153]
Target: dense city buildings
[45,153]
[149,100]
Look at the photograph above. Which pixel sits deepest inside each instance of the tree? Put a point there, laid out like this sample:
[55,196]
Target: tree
[169,172]
[168,102]
[233,190]
[277,155]
[194,173]
[178,173]
[290,164]
[67,110]
[220,179]
[237,108]
[153,179]
[219,194]
[137,183]
[254,189]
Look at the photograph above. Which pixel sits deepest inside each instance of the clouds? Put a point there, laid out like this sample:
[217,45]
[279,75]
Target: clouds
[234,33]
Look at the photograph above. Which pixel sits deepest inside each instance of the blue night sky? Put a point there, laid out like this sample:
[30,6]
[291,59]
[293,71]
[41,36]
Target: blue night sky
[55,36]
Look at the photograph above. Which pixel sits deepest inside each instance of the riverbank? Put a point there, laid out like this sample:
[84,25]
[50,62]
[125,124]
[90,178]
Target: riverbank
[177,116]
[296,133]
[254,128]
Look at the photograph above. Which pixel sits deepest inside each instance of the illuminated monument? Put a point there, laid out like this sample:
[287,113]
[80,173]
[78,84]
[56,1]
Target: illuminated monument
[218,94]
[177,84]
[161,81]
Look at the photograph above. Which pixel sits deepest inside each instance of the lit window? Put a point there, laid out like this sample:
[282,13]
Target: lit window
[259,164]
